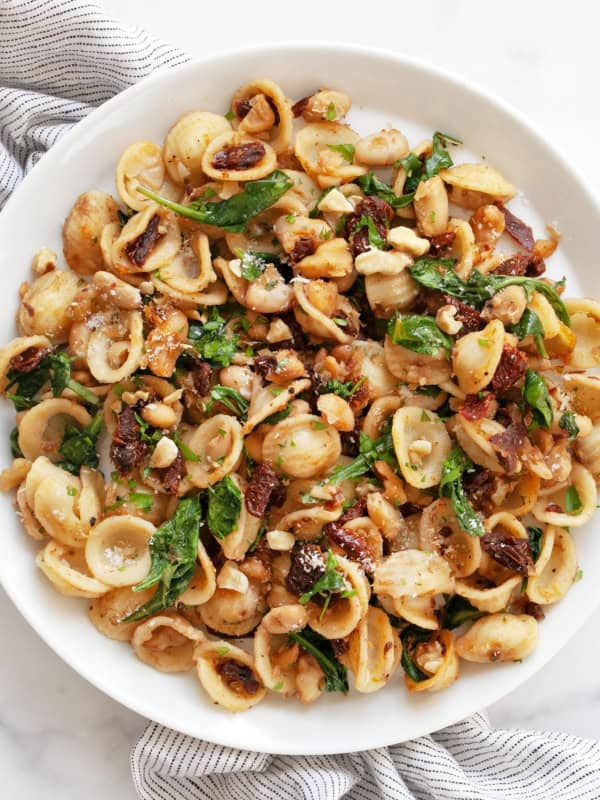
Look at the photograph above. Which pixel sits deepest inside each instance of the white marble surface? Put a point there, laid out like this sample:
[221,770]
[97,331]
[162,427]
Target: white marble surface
[59,737]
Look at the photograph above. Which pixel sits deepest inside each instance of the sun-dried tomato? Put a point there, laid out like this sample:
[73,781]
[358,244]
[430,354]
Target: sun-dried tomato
[475,407]
[299,106]
[172,475]
[238,677]
[379,211]
[201,373]
[239,156]
[127,450]
[306,567]
[507,444]
[440,242]
[139,249]
[510,369]
[29,359]
[304,246]
[511,552]
[265,487]
[517,229]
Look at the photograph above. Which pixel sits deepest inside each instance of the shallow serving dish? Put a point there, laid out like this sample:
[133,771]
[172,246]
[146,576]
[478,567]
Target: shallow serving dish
[384,89]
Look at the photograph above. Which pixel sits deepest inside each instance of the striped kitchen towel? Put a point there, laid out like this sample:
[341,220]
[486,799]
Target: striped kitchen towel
[58,60]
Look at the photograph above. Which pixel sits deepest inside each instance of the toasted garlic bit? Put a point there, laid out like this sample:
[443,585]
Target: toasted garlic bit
[381,149]
[280,540]
[335,202]
[507,306]
[230,577]
[381,262]
[45,260]
[336,411]
[445,318]
[326,104]
[278,331]
[407,240]
[260,118]
[164,454]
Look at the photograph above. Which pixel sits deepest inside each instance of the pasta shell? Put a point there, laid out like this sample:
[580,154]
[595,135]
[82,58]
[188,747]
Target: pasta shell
[554,579]
[389,293]
[445,660]
[342,616]
[43,310]
[107,612]
[373,367]
[302,446]
[186,142]
[582,482]
[204,581]
[215,454]
[439,531]
[585,324]
[63,567]
[232,694]
[422,444]
[15,348]
[312,148]
[476,356]
[99,350]
[416,368]
[588,451]
[474,185]
[117,550]
[229,140]
[474,438]
[584,391]
[166,642]
[42,428]
[83,229]
[371,651]
[280,133]
[165,248]
[233,613]
[413,573]
[140,165]
[236,543]
[498,637]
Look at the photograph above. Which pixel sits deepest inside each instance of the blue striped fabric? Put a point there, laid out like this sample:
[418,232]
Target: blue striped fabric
[59,59]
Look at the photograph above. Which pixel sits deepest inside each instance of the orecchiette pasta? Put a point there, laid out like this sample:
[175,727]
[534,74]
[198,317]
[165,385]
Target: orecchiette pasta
[283,395]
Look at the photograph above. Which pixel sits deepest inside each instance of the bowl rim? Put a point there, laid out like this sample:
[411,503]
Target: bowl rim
[299,48]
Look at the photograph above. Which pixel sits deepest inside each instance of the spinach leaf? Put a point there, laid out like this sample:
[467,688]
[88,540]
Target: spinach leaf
[173,548]
[336,675]
[535,536]
[573,504]
[457,611]
[231,214]
[14,444]
[143,500]
[375,238]
[78,446]
[418,333]
[372,185]
[211,341]
[186,451]
[344,389]
[439,157]
[438,274]
[224,507]
[56,368]
[410,637]
[254,264]
[231,399]
[530,325]
[330,583]
[370,451]
[451,486]
[279,415]
[535,541]
[345,150]
[535,394]
[569,424]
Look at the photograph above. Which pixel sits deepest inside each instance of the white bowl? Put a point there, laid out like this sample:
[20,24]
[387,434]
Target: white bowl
[384,89]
